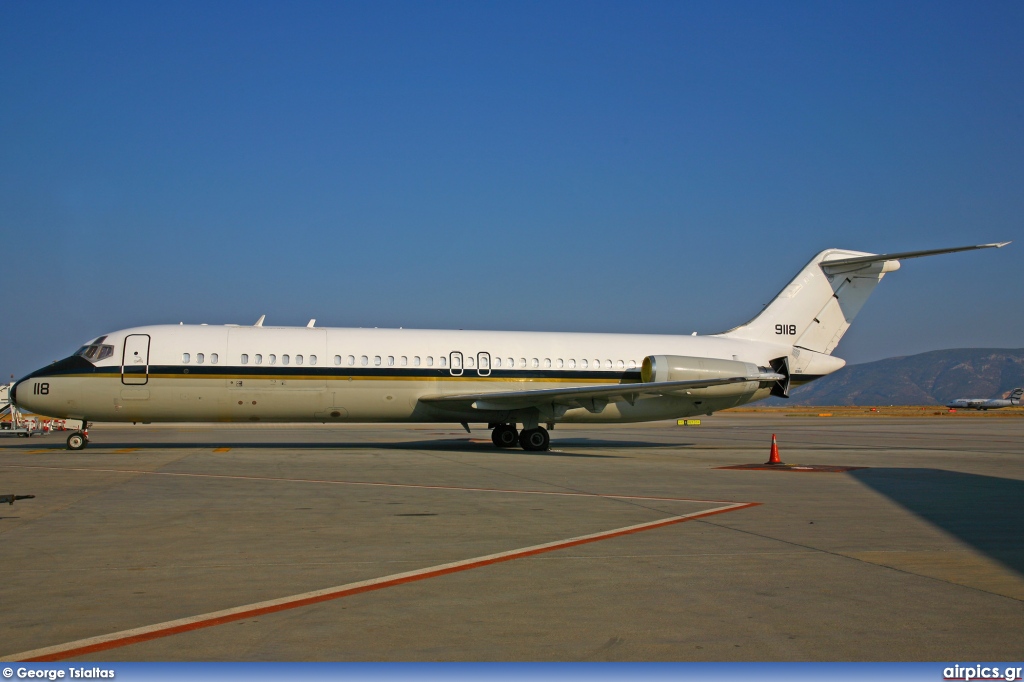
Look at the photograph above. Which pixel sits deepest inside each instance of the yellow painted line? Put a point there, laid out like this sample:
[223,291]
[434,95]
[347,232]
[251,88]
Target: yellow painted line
[37,452]
[125,450]
[221,449]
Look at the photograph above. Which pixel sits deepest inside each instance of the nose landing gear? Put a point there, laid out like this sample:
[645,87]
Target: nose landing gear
[78,440]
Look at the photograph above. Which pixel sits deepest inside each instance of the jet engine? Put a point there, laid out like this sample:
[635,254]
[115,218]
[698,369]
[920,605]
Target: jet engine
[681,368]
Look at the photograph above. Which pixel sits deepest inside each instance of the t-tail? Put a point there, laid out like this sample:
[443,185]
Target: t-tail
[1015,396]
[815,309]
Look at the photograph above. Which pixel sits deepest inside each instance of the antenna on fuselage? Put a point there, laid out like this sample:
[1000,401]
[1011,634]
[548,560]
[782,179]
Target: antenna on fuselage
[259,322]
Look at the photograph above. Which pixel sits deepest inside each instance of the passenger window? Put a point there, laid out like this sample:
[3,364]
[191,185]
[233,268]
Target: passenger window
[597,364]
[285,359]
[572,363]
[619,364]
[497,362]
[547,363]
[443,361]
[312,359]
[430,361]
[511,362]
[199,358]
[337,359]
[416,361]
[607,364]
[245,359]
[405,361]
[376,361]
[363,360]
[259,359]
[522,362]
[583,363]
[184,357]
[469,361]
[214,358]
[273,359]
[632,364]
[298,359]
[536,363]
[391,361]
[351,360]
[559,363]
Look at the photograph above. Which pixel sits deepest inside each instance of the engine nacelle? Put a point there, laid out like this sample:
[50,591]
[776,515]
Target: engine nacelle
[681,368]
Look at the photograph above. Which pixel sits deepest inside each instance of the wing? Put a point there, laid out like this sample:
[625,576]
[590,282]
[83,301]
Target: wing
[592,398]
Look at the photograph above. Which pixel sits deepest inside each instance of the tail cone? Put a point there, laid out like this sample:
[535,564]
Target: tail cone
[774,458]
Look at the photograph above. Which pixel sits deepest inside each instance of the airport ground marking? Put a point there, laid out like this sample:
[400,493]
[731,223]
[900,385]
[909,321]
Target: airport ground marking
[122,638]
[371,484]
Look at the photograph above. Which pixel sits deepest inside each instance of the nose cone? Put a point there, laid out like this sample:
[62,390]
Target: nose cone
[23,391]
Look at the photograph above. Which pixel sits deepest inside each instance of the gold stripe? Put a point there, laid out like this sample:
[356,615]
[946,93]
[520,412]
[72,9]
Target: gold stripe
[266,377]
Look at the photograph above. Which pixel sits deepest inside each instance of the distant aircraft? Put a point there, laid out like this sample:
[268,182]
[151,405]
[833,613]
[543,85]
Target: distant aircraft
[230,373]
[988,404]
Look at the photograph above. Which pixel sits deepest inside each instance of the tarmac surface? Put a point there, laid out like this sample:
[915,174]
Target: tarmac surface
[426,543]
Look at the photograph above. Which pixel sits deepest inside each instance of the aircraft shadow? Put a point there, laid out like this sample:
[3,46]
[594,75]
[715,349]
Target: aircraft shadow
[459,445]
[982,511]
[600,443]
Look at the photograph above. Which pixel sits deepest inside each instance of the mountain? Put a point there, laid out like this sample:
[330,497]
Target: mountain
[932,378]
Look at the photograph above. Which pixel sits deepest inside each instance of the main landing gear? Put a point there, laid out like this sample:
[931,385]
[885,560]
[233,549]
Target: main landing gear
[532,440]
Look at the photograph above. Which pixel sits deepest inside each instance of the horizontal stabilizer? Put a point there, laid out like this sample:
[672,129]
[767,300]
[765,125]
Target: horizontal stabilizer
[881,258]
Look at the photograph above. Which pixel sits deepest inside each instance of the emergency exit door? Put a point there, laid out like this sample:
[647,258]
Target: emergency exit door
[135,360]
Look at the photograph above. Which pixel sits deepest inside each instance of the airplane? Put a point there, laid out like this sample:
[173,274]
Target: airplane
[233,373]
[988,404]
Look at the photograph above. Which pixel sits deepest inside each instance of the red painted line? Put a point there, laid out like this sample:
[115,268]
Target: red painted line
[127,637]
[372,484]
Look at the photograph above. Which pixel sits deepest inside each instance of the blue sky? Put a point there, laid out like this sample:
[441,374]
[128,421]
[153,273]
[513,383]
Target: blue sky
[585,166]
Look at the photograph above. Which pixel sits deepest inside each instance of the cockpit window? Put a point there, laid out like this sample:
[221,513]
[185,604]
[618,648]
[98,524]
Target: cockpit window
[95,352]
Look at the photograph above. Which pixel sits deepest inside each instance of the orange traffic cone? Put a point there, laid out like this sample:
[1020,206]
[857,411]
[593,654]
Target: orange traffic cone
[774,457]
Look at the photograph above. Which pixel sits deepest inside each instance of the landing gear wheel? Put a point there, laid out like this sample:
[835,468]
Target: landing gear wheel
[77,441]
[535,440]
[504,436]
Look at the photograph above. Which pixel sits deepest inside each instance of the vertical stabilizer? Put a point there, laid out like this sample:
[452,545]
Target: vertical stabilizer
[818,306]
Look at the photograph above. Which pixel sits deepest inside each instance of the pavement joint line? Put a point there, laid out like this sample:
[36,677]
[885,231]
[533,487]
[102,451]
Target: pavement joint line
[372,484]
[122,638]
[842,555]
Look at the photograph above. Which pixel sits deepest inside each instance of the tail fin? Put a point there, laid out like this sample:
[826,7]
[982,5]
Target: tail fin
[1015,396]
[817,307]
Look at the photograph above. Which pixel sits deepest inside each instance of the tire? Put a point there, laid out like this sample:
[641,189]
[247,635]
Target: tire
[77,441]
[504,436]
[535,440]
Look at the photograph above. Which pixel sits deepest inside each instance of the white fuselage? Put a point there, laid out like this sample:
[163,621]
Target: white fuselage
[296,374]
